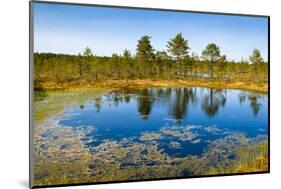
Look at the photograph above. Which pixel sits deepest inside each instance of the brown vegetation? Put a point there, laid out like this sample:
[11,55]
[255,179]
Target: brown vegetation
[143,83]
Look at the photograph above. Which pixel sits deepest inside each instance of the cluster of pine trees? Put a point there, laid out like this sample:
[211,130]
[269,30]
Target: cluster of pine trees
[174,63]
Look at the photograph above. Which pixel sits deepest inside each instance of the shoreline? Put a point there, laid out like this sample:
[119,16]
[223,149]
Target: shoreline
[143,83]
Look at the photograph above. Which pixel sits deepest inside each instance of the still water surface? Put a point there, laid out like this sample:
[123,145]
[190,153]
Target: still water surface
[183,121]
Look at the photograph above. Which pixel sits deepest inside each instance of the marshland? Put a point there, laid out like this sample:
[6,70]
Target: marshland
[97,135]
[147,104]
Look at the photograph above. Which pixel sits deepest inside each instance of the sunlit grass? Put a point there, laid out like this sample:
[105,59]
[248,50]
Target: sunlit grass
[252,158]
[144,83]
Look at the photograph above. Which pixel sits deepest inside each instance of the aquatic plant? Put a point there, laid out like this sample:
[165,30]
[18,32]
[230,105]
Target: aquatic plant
[150,136]
[73,154]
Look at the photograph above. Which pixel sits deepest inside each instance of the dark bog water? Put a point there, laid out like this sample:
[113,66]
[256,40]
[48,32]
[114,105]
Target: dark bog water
[182,121]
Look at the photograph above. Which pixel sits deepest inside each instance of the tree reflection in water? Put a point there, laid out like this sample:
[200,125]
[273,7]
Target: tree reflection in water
[178,100]
[144,102]
[255,106]
[213,101]
[253,99]
[97,104]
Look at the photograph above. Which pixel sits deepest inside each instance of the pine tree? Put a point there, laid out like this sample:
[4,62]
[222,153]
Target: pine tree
[212,55]
[256,59]
[145,51]
[178,47]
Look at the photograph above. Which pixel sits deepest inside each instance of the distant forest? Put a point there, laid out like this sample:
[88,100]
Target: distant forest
[175,63]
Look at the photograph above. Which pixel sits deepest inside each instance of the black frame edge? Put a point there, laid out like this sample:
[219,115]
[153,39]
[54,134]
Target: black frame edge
[268,68]
[31,50]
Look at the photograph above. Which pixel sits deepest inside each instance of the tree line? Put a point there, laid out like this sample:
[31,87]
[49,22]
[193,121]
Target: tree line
[175,63]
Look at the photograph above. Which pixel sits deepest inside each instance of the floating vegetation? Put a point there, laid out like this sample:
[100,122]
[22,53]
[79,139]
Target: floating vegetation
[172,132]
[150,136]
[212,129]
[183,133]
[87,152]
[129,160]
[175,145]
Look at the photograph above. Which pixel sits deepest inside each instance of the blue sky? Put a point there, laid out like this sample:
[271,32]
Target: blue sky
[69,29]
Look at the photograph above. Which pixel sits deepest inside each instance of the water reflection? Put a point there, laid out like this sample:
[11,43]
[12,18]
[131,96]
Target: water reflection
[155,131]
[182,120]
[212,101]
[253,98]
[97,103]
[178,100]
[145,102]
